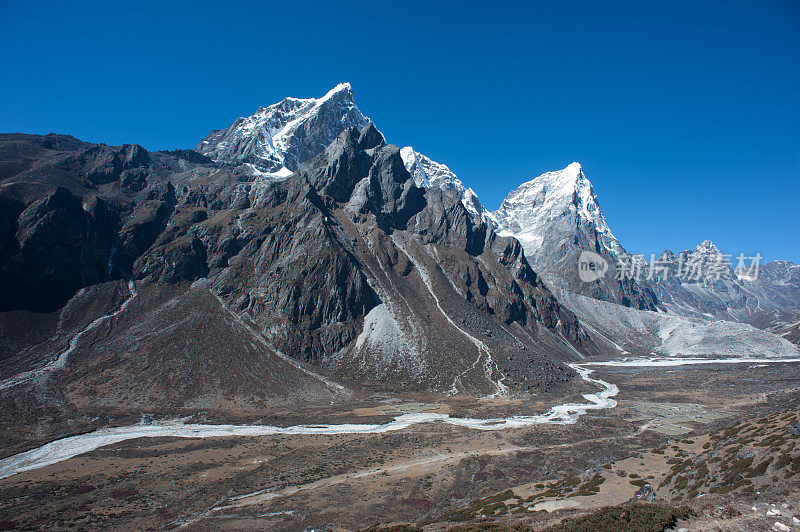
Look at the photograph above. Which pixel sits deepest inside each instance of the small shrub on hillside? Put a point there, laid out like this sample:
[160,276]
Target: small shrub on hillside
[640,517]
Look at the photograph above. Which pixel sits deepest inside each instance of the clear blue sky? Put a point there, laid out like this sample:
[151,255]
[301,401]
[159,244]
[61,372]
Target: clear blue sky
[684,114]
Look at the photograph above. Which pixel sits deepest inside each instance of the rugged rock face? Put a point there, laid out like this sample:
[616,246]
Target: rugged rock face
[58,232]
[350,240]
[556,217]
[347,269]
[78,221]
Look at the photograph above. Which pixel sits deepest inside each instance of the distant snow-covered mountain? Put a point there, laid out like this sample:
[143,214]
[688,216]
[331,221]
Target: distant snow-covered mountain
[275,140]
[703,282]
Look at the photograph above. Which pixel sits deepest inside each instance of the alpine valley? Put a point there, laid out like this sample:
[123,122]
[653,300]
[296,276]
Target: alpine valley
[297,325]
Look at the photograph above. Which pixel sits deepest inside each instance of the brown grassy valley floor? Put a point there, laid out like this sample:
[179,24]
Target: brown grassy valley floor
[711,442]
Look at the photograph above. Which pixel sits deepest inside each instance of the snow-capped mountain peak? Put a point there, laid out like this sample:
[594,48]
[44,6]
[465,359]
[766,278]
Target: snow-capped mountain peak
[707,247]
[342,88]
[526,210]
[556,218]
[277,138]
[427,173]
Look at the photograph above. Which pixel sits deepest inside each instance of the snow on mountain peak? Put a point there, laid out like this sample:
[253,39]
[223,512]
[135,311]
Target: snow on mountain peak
[527,210]
[277,138]
[427,173]
[707,247]
[341,87]
[273,141]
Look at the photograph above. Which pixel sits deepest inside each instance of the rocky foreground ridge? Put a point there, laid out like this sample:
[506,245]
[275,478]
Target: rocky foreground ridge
[143,278]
